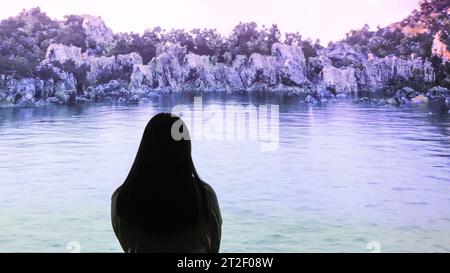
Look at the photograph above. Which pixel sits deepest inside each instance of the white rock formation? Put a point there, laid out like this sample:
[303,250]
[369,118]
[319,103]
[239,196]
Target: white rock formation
[142,75]
[377,74]
[342,80]
[61,53]
[96,29]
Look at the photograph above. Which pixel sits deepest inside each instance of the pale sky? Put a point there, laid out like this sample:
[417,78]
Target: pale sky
[323,19]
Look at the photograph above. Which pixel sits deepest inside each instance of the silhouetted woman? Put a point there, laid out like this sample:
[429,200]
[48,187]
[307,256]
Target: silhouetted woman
[163,205]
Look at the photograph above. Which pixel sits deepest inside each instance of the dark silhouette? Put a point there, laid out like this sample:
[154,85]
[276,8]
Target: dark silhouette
[163,205]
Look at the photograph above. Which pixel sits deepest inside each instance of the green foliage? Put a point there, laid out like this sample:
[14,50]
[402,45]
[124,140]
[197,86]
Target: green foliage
[430,18]
[73,33]
[45,72]
[442,71]
[25,38]
[18,66]
[308,49]
[145,45]
[247,39]
[294,39]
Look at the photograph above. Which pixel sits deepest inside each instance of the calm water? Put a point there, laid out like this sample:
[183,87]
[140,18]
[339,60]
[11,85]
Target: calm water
[344,175]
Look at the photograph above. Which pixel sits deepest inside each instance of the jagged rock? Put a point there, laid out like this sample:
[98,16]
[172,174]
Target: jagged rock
[3,95]
[133,100]
[167,69]
[24,91]
[438,91]
[174,50]
[374,101]
[264,70]
[291,64]
[285,68]
[419,99]
[96,29]
[406,94]
[128,60]
[315,66]
[61,91]
[338,69]
[202,75]
[65,83]
[174,70]
[379,73]
[141,76]
[394,101]
[240,65]
[310,99]
[342,80]
[198,73]
[110,86]
[342,54]
[61,53]
[227,78]
[101,92]
[99,66]
[60,97]
[112,67]
[323,95]
[64,97]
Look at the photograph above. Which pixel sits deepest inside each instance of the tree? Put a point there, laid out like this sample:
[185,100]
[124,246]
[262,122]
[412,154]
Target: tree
[242,39]
[18,67]
[207,42]
[144,45]
[73,33]
[293,39]
[46,72]
[179,36]
[308,49]
[273,35]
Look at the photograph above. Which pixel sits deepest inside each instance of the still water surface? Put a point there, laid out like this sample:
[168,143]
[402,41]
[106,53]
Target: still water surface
[343,175]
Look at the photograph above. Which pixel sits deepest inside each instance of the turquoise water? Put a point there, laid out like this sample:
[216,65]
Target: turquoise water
[344,175]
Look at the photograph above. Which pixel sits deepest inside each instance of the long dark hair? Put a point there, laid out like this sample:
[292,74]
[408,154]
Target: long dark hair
[161,192]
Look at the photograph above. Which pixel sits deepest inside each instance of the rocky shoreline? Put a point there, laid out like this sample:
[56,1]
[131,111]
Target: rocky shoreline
[174,70]
[70,74]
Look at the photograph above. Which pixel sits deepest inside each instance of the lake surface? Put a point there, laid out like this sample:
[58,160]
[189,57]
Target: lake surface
[345,177]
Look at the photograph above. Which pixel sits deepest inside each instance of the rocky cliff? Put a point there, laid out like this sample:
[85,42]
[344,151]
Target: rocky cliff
[101,66]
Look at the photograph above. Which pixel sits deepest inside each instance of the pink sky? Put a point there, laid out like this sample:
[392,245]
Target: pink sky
[323,19]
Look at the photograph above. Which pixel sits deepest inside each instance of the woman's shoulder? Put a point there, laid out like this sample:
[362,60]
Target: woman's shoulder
[208,188]
[116,193]
[214,218]
[212,200]
[114,200]
[211,195]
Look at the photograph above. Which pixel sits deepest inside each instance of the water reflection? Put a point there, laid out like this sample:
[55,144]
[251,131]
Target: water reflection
[344,175]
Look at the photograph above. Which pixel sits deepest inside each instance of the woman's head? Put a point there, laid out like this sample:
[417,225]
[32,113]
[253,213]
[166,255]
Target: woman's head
[163,148]
[160,193]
